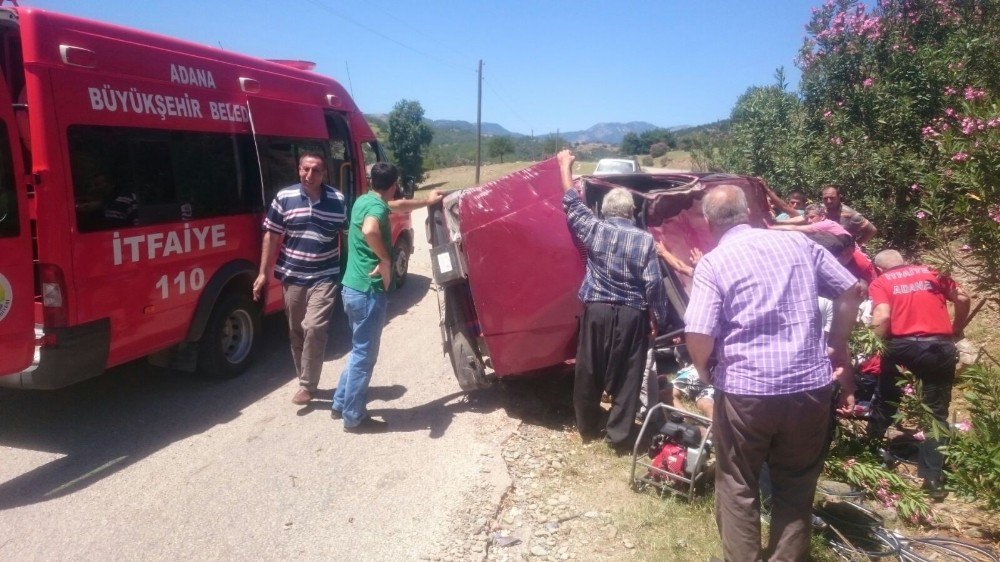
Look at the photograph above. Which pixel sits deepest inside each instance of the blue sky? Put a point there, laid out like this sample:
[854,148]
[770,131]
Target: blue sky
[559,65]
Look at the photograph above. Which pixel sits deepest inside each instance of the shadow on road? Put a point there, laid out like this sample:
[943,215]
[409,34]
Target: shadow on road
[105,424]
[543,398]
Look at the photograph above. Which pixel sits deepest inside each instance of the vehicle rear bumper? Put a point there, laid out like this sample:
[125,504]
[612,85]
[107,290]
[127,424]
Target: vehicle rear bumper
[78,353]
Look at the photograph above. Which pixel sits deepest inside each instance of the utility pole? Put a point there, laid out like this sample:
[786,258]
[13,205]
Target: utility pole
[479,123]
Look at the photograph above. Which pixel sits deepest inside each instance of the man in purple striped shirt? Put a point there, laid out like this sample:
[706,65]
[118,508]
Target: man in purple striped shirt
[754,304]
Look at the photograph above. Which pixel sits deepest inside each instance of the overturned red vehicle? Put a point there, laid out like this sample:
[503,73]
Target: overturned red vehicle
[509,268]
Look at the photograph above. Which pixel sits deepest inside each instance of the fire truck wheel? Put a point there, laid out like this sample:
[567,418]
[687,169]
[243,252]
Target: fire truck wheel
[400,260]
[230,338]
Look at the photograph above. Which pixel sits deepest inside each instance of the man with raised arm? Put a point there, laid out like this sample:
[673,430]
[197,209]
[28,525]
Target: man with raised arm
[368,278]
[622,282]
[754,306]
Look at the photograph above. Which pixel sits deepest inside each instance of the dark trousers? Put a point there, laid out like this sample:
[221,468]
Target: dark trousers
[789,432]
[933,363]
[611,356]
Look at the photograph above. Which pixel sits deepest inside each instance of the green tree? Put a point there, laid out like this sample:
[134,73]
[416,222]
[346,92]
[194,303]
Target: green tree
[767,137]
[408,137]
[552,144]
[498,146]
[631,145]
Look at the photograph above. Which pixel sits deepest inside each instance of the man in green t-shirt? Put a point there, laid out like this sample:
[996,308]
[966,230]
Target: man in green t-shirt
[367,280]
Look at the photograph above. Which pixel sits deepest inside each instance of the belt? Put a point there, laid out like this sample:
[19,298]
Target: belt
[924,338]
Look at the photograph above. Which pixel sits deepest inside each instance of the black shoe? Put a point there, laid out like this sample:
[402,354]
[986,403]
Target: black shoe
[368,425]
[934,489]
[336,414]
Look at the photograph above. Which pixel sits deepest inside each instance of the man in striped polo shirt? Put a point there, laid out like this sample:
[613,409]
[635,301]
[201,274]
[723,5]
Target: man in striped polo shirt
[304,222]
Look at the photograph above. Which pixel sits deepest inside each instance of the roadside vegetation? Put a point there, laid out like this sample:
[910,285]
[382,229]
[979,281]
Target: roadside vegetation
[898,105]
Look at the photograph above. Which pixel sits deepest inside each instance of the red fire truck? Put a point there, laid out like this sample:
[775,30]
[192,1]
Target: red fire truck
[134,172]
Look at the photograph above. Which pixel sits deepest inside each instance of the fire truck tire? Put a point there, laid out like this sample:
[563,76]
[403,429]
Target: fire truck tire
[401,260]
[468,367]
[230,339]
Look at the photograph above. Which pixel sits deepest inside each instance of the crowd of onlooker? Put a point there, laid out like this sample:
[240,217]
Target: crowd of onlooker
[767,326]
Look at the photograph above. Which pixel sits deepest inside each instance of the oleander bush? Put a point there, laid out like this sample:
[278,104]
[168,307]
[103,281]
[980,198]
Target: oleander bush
[974,451]
[899,104]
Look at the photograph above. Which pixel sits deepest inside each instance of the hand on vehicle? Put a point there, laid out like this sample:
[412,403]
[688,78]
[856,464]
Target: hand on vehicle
[566,158]
[383,268]
[258,286]
[434,196]
[696,256]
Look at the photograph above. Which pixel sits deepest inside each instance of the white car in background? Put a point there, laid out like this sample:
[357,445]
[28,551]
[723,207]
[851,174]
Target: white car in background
[611,166]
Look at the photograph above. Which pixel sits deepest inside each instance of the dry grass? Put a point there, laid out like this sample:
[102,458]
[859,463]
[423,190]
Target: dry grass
[460,177]
[665,528]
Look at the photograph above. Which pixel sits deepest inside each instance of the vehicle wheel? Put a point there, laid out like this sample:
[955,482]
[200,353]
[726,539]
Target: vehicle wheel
[400,261]
[230,339]
[468,367]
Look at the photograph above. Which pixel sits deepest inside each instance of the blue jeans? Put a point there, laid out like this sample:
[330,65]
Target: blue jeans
[366,313]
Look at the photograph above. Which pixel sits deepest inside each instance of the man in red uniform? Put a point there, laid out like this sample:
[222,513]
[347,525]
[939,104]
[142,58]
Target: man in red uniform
[911,312]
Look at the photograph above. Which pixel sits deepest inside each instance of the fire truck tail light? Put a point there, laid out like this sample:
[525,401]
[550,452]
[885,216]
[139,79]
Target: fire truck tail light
[53,284]
[51,295]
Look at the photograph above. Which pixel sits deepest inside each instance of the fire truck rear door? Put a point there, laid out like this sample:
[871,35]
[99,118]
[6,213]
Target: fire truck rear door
[17,292]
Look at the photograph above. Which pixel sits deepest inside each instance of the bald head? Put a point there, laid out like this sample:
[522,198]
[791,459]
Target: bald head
[888,259]
[725,207]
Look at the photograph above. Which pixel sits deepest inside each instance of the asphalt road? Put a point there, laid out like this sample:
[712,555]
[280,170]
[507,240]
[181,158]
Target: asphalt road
[144,463]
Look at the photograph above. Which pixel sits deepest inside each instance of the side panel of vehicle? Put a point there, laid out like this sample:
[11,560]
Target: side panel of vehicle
[17,336]
[524,269]
[174,123]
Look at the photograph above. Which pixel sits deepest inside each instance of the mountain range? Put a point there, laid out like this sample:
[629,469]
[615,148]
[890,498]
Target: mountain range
[446,131]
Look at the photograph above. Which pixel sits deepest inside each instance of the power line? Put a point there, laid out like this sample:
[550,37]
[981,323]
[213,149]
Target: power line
[417,31]
[384,36]
[503,100]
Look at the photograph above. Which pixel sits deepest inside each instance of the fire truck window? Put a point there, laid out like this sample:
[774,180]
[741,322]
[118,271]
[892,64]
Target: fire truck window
[8,197]
[134,177]
[372,153]
[280,161]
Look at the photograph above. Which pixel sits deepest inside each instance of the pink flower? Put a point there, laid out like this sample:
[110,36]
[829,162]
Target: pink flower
[949,111]
[850,462]
[973,94]
[915,187]
[960,157]
[908,389]
[837,141]
[949,91]
[867,83]
[994,212]
[919,436]
[929,132]
[921,215]
[963,426]
[966,248]
[827,114]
